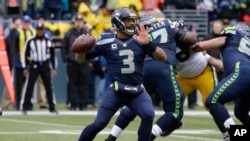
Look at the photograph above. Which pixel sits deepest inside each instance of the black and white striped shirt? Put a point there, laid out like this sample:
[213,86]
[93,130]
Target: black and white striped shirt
[39,50]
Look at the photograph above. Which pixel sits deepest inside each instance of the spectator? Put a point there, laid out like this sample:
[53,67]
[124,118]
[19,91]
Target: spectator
[39,53]
[78,73]
[22,35]
[32,8]
[10,48]
[152,4]
[74,6]
[104,16]
[66,15]
[95,5]
[101,81]
[97,81]
[127,3]
[89,17]
[52,8]
[210,6]
[179,4]
[190,4]
[229,9]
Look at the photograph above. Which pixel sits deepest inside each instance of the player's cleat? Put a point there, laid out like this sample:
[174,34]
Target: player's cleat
[111,138]
[226,137]
[168,132]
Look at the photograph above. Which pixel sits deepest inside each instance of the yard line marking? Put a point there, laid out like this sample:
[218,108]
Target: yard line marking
[93,113]
[39,123]
[178,133]
[195,138]
[106,132]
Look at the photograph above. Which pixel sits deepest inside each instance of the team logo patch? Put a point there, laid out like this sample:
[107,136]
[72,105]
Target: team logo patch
[114,46]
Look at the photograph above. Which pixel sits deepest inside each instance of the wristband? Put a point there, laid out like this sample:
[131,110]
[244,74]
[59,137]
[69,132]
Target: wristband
[207,56]
[151,47]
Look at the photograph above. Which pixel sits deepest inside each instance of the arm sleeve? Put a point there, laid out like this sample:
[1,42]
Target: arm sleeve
[64,48]
[52,55]
[94,52]
[27,54]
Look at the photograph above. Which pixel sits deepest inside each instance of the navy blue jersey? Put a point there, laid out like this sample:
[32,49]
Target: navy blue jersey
[162,34]
[237,43]
[124,58]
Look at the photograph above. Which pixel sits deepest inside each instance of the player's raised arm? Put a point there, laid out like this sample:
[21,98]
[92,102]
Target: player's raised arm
[142,38]
[209,44]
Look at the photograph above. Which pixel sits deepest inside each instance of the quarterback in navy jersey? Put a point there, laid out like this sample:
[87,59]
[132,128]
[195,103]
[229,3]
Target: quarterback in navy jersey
[234,46]
[125,54]
[159,78]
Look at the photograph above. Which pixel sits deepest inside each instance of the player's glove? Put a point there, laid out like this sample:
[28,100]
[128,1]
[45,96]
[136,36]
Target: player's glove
[180,24]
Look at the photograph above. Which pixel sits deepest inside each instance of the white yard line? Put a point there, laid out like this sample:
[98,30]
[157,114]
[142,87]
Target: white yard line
[178,133]
[39,123]
[93,113]
[106,132]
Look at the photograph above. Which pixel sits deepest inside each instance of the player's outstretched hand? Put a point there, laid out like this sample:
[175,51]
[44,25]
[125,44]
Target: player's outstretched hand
[196,47]
[142,35]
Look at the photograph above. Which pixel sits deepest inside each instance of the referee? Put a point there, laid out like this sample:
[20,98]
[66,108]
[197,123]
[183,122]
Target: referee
[39,57]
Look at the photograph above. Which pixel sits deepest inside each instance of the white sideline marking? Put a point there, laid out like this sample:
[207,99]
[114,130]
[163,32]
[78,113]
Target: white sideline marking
[106,132]
[93,113]
[39,123]
[178,133]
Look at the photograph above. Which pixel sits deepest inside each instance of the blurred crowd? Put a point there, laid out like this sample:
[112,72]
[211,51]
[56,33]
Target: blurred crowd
[97,12]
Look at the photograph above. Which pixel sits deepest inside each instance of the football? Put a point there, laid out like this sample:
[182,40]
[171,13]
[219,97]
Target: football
[83,43]
[188,40]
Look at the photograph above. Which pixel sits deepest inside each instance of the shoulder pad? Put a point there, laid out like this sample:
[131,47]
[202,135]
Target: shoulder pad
[229,30]
[105,38]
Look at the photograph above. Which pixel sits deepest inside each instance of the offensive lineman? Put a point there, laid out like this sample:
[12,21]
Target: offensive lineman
[234,46]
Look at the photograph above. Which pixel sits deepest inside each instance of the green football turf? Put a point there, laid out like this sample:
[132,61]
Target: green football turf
[67,126]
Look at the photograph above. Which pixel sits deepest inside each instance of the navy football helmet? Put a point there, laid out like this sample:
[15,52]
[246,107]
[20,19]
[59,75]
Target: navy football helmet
[148,20]
[118,17]
[242,27]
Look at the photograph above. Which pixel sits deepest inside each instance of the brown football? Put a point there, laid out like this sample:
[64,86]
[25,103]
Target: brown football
[188,40]
[83,43]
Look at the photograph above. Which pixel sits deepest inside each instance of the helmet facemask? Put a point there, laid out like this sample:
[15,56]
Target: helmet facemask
[124,20]
[148,20]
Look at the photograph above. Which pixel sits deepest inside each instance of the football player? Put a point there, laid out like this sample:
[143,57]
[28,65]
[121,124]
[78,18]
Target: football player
[159,78]
[125,53]
[234,46]
[194,72]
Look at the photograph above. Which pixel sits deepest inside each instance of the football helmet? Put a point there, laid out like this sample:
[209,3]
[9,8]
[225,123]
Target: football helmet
[148,20]
[118,17]
[242,27]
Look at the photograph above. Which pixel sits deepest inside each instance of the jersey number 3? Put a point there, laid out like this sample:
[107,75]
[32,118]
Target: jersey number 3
[129,61]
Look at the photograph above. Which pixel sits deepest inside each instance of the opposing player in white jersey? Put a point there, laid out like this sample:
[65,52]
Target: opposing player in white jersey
[196,71]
